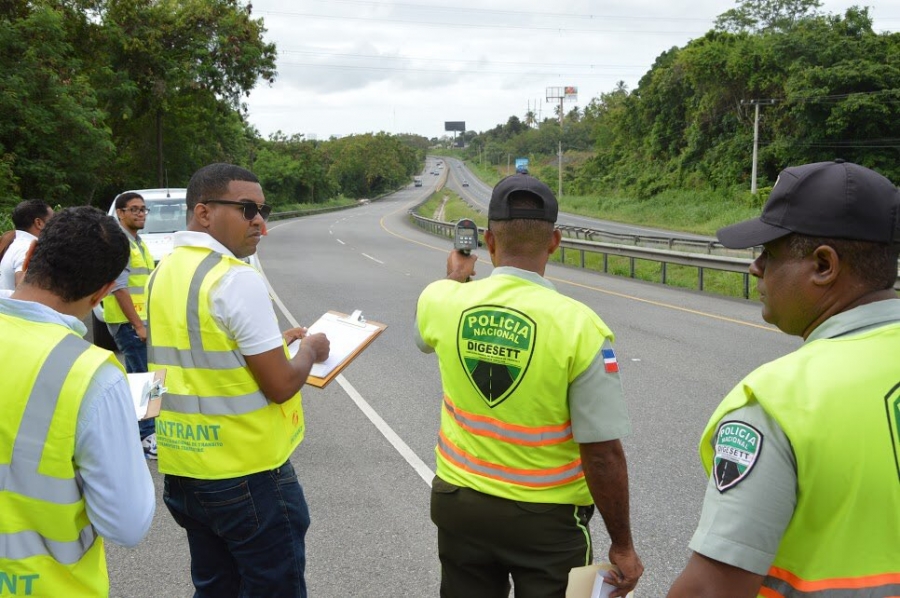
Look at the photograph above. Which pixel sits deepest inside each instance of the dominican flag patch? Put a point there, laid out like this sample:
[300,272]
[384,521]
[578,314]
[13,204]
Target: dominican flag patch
[610,365]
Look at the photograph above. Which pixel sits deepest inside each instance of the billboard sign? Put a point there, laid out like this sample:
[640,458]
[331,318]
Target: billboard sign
[455,125]
[568,93]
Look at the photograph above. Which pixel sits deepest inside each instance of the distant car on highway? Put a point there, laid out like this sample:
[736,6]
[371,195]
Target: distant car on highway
[465,183]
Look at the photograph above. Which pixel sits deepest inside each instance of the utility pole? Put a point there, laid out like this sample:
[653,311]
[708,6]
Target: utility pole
[756,104]
[568,93]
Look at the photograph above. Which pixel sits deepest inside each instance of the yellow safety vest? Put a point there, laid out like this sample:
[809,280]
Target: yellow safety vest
[844,537]
[214,421]
[48,547]
[508,349]
[141,262]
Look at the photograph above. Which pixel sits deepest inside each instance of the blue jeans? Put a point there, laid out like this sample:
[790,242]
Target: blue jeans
[246,535]
[134,350]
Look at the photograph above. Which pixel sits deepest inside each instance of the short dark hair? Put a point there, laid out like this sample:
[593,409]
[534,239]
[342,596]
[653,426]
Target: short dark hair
[874,264]
[212,181]
[123,199]
[24,214]
[80,250]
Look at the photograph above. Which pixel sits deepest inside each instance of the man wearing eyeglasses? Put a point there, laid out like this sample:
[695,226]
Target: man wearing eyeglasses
[125,308]
[232,414]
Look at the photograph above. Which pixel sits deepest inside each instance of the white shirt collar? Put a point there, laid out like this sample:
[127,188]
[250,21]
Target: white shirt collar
[190,238]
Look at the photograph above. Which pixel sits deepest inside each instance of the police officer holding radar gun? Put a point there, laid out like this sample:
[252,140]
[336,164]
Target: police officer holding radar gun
[533,412]
[803,456]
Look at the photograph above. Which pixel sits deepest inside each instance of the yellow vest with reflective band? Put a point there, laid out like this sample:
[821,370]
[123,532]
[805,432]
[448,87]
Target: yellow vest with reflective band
[214,421]
[48,547]
[838,402]
[141,262]
[505,423]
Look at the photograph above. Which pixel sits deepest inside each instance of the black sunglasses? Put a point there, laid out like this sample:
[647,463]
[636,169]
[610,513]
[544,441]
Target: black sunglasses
[250,208]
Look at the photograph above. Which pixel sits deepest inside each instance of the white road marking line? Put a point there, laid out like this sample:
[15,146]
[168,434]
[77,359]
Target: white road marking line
[373,259]
[341,242]
[407,453]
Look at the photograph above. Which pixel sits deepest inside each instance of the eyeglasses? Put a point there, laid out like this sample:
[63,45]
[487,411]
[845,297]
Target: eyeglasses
[250,208]
[136,210]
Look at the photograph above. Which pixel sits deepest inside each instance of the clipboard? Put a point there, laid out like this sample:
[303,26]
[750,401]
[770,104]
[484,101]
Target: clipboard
[147,390]
[348,335]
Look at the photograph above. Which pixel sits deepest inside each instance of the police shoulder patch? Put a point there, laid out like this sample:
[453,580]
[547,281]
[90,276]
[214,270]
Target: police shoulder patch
[738,445]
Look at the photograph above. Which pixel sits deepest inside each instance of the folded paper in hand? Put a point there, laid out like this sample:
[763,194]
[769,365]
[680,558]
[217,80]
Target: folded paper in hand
[146,390]
[587,582]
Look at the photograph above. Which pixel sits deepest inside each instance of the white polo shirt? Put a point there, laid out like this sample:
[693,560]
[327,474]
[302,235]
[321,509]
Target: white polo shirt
[14,259]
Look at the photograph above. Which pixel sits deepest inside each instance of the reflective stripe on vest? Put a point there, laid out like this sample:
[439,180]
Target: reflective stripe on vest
[140,266]
[21,477]
[23,545]
[534,478]
[197,358]
[783,584]
[511,433]
[214,408]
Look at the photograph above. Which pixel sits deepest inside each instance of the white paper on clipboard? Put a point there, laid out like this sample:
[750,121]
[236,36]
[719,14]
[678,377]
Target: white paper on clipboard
[345,334]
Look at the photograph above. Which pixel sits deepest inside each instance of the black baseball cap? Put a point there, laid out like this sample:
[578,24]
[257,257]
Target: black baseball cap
[837,200]
[499,208]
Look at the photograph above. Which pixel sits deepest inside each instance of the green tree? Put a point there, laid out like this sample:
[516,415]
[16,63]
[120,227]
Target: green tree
[766,15]
[54,142]
[164,56]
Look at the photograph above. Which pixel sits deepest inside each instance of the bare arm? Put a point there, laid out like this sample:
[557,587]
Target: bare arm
[704,577]
[123,298]
[280,378]
[606,473]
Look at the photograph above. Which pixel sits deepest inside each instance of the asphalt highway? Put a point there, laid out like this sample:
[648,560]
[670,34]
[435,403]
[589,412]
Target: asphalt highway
[368,457]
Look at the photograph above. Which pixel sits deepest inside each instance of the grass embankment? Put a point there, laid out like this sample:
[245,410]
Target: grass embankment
[689,211]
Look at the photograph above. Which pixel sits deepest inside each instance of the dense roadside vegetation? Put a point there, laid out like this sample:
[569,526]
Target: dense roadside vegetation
[99,96]
[104,95]
[682,140]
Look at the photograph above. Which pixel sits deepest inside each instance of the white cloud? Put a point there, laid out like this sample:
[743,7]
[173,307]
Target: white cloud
[357,66]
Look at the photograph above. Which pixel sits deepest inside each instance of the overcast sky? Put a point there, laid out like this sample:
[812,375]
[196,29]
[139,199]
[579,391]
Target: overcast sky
[358,66]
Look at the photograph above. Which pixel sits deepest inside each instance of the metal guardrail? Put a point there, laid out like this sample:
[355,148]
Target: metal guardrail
[701,262]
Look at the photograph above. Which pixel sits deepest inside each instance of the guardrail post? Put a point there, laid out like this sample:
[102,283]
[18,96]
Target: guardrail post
[605,263]
[700,278]
[581,252]
[663,270]
[562,255]
[631,259]
[746,276]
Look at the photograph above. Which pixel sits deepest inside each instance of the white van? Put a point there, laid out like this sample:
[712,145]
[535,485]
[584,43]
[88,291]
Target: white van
[167,215]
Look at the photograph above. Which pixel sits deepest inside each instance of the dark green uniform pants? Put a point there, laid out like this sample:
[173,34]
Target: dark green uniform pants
[483,540]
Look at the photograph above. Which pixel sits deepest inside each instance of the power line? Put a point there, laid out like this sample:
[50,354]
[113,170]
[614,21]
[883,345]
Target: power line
[554,74]
[492,11]
[504,26]
[460,61]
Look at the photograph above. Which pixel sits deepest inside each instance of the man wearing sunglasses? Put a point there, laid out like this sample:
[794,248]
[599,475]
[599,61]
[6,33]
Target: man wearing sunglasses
[232,415]
[125,308]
